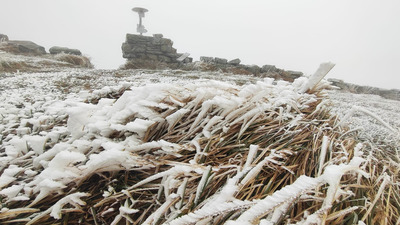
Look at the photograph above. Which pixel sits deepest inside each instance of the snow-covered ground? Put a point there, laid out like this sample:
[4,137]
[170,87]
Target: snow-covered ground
[25,93]
[375,118]
[48,111]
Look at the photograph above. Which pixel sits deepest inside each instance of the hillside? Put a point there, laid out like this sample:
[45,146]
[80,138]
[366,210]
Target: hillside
[27,56]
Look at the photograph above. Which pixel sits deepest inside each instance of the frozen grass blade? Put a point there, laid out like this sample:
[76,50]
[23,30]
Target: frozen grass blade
[153,218]
[322,71]
[202,184]
[385,181]
[286,194]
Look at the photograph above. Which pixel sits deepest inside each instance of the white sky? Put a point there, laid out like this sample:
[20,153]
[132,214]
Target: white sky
[361,36]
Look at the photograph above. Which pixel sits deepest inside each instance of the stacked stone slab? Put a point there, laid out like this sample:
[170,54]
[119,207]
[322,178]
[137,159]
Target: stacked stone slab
[154,48]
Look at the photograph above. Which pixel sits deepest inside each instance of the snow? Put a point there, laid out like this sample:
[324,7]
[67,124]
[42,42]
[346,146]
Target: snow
[36,142]
[73,199]
[12,191]
[139,126]
[369,128]
[8,175]
[17,147]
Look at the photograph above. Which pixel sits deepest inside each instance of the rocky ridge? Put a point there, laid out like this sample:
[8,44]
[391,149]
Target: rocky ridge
[27,56]
[393,94]
[157,52]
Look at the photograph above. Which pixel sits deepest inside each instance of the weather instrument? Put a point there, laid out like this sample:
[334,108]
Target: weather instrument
[141,11]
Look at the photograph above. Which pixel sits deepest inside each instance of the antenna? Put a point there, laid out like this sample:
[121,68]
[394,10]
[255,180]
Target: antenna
[141,11]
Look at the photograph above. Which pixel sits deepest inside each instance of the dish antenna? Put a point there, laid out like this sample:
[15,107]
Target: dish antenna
[141,11]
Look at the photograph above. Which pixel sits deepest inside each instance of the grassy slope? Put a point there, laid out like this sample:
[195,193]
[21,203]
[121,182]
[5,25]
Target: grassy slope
[18,97]
[25,63]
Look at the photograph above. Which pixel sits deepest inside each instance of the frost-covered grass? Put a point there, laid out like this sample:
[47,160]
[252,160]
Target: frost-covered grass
[370,129]
[45,63]
[173,147]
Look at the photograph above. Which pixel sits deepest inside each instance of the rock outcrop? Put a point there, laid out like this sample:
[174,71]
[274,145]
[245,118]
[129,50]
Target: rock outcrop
[22,47]
[145,52]
[3,38]
[57,50]
[157,49]
[233,66]
[27,56]
[393,94]
[234,62]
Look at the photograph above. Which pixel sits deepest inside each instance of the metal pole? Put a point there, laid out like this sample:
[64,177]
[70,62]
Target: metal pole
[140,28]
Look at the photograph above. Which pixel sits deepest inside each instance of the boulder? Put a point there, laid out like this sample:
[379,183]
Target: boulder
[3,38]
[268,68]
[254,69]
[294,74]
[234,62]
[57,50]
[220,60]
[206,59]
[22,47]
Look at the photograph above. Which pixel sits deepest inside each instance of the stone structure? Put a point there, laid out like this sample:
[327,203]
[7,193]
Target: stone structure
[152,49]
[145,52]
[234,66]
[57,50]
[22,47]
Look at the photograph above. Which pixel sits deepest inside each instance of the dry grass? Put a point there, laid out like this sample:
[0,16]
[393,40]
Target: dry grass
[12,66]
[11,63]
[75,60]
[235,167]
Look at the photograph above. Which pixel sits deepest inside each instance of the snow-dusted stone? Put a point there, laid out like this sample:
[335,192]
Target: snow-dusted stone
[234,62]
[294,74]
[57,50]
[206,59]
[158,36]
[268,68]
[254,69]
[22,47]
[220,60]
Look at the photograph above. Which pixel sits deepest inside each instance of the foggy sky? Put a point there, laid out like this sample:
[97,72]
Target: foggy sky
[361,36]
